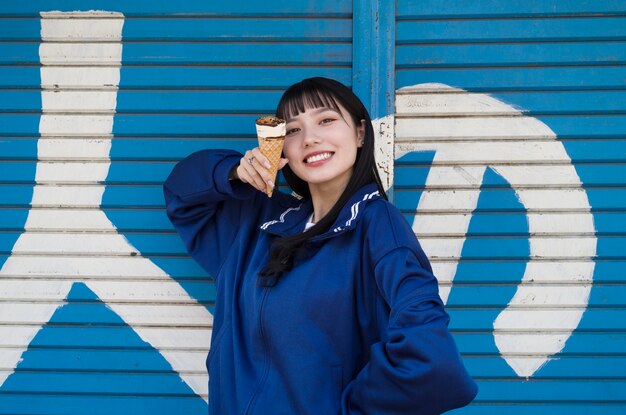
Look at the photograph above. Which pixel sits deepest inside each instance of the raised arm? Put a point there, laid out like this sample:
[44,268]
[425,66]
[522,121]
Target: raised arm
[205,206]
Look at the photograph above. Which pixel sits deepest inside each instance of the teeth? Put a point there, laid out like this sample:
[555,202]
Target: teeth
[318,157]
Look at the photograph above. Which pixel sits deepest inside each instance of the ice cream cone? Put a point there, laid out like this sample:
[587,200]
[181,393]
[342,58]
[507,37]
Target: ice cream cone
[271,135]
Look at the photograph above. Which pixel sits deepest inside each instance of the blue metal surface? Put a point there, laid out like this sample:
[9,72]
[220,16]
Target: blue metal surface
[510,30]
[223,69]
[561,62]
[186,8]
[94,377]
[218,28]
[373,55]
[435,9]
[502,55]
[195,75]
[539,78]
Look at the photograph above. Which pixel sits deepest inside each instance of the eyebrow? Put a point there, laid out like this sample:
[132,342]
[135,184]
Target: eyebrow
[318,111]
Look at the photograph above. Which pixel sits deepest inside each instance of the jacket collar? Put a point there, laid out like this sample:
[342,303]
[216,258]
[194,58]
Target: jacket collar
[292,220]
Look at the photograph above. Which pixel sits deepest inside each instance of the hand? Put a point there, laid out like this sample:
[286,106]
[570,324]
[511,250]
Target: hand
[253,169]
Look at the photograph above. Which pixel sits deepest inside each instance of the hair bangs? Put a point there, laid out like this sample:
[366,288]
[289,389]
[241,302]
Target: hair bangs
[301,99]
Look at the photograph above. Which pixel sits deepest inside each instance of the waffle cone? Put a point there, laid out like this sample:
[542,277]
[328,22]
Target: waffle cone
[272,148]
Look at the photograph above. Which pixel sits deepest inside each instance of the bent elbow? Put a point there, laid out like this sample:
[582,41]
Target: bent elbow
[460,389]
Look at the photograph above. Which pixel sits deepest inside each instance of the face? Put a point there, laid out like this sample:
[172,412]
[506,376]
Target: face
[321,145]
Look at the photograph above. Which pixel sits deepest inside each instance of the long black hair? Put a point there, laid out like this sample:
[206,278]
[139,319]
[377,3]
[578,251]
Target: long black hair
[315,93]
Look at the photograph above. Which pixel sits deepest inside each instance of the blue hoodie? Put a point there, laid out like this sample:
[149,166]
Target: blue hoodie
[356,327]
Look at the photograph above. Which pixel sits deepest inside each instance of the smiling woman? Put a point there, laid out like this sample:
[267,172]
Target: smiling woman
[344,316]
[322,146]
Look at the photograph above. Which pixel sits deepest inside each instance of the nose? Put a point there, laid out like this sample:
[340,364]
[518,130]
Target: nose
[310,137]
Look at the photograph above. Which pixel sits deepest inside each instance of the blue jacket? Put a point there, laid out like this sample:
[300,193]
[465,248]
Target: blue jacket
[356,327]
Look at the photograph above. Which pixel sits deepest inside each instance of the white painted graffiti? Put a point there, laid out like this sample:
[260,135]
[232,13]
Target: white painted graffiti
[67,236]
[470,132]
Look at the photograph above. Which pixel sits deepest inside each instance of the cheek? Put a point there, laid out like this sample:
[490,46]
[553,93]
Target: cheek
[289,151]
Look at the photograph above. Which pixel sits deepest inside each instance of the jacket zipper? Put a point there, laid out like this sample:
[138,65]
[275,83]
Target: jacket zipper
[266,362]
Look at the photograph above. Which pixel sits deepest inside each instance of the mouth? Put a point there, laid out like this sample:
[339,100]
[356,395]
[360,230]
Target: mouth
[318,157]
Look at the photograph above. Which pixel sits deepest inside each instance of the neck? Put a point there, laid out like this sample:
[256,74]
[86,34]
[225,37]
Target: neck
[324,198]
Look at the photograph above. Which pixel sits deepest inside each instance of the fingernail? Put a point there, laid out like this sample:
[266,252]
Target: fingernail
[270,183]
[267,164]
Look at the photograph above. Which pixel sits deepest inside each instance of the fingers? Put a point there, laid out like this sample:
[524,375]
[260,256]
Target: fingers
[252,169]
[260,158]
[248,172]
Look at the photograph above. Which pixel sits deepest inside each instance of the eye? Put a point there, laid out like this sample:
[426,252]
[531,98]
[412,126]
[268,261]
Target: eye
[292,131]
[327,120]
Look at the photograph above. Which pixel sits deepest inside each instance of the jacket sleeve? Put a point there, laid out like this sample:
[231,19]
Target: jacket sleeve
[417,369]
[204,206]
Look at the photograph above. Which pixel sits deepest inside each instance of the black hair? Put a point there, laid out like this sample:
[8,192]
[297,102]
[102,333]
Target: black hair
[315,93]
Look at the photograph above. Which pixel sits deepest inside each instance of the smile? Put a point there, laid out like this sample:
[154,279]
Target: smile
[318,157]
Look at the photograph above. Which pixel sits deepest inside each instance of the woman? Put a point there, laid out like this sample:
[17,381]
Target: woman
[327,304]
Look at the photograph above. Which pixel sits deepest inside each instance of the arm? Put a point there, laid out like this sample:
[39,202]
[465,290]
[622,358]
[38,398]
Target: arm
[417,369]
[204,205]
